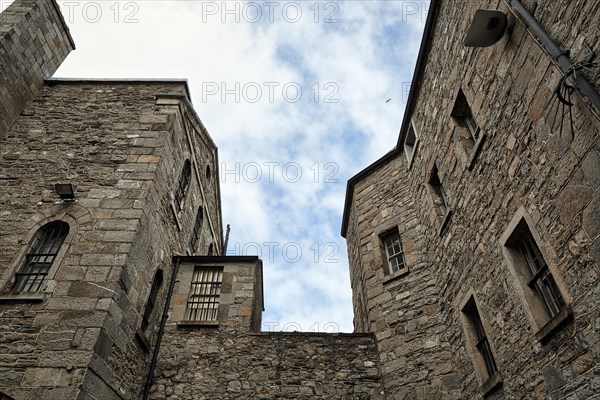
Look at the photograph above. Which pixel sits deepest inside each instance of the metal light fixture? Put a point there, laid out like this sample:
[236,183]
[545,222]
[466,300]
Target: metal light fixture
[486,29]
[66,191]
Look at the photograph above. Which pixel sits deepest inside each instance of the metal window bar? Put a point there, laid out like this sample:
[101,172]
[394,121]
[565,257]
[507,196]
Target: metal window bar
[541,280]
[184,181]
[197,229]
[472,125]
[39,261]
[203,302]
[393,248]
[482,344]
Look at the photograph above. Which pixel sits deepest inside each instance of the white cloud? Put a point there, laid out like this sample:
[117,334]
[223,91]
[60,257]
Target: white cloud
[364,58]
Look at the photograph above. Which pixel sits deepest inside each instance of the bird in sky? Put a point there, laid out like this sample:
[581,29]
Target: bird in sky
[388,100]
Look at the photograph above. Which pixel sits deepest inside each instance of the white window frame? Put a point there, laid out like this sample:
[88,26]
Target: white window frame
[392,243]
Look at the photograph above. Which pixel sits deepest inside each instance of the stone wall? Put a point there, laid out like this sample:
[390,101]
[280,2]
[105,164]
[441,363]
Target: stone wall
[240,365]
[525,167]
[240,301]
[34,41]
[400,309]
[228,358]
[122,144]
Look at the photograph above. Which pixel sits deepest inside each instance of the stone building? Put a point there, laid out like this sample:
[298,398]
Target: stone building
[474,244]
[113,279]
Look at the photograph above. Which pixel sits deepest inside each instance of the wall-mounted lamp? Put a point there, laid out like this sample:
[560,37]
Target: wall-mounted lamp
[487,28]
[66,191]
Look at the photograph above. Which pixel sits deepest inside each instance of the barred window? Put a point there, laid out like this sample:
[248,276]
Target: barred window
[197,229]
[46,245]
[393,251]
[150,304]
[479,339]
[538,283]
[184,182]
[540,279]
[203,302]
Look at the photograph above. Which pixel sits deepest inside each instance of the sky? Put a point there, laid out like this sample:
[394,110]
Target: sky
[295,95]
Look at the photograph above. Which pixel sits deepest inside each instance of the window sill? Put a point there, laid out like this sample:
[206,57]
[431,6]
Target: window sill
[491,385]
[554,325]
[188,324]
[23,297]
[475,151]
[143,341]
[445,223]
[395,275]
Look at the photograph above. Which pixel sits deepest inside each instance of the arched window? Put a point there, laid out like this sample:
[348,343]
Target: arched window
[156,284]
[197,229]
[208,174]
[210,249]
[46,245]
[184,182]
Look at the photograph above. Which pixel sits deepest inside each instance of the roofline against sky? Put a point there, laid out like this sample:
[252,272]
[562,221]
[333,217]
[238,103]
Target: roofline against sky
[120,81]
[410,105]
[63,23]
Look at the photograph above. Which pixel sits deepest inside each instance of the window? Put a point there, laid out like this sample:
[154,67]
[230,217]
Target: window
[480,339]
[469,135]
[463,115]
[479,347]
[203,301]
[439,200]
[393,252]
[537,281]
[156,284]
[184,182]
[208,175]
[538,277]
[197,229]
[410,143]
[210,249]
[45,247]
[440,197]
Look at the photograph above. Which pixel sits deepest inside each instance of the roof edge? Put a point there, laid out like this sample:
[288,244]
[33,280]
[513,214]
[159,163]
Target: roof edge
[118,81]
[410,105]
[217,259]
[64,23]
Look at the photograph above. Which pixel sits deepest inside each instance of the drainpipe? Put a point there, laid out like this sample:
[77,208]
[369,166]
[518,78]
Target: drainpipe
[161,330]
[557,54]
[226,240]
